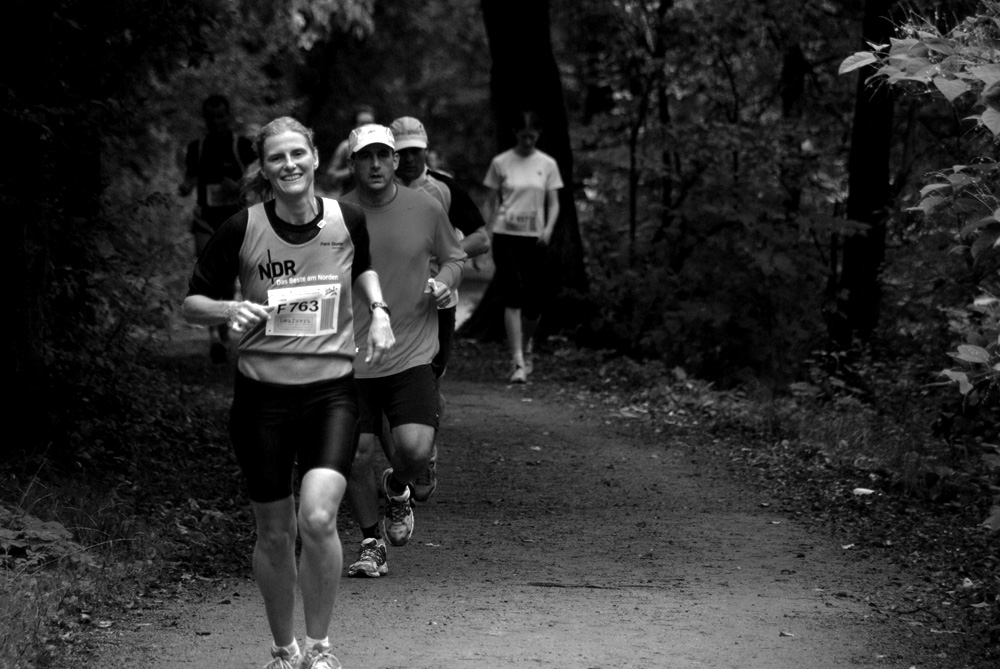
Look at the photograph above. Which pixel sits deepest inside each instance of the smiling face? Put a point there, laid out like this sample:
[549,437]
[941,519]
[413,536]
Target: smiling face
[411,163]
[373,167]
[289,163]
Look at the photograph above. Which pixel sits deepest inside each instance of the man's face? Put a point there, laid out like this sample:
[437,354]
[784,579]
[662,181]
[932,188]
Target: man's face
[411,163]
[217,119]
[373,167]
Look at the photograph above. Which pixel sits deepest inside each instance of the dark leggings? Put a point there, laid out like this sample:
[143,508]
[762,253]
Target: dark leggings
[446,332]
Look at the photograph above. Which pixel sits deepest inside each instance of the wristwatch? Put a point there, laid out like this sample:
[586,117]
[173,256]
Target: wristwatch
[379,305]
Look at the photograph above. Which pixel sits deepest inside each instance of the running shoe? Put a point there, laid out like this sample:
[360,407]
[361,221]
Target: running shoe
[519,375]
[371,560]
[320,658]
[426,483]
[397,525]
[282,659]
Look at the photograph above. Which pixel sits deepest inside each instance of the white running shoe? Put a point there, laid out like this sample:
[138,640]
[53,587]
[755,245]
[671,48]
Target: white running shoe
[320,658]
[371,561]
[520,375]
[282,659]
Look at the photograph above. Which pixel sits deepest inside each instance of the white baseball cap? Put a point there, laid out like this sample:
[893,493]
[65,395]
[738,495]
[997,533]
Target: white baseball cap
[409,133]
[367,135]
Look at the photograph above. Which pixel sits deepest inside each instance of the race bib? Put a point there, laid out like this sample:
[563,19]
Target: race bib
[303,311]
[217,195]
[520,222]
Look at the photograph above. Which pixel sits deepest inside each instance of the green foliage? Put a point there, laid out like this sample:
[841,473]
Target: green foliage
[961,66]
[429,60]
[711,201]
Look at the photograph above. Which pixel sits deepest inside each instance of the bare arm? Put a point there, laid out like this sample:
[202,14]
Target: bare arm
[380,337]
[202,310]
[551,216]
[477,243]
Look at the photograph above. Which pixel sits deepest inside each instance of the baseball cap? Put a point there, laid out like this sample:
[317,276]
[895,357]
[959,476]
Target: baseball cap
[367,135]
[409,133]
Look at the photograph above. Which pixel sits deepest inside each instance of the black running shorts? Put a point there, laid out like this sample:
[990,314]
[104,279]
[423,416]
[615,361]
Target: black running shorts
[410,396]
[520,273]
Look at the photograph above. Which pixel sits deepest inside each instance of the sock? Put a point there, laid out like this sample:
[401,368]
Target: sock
[370,532]
[291,649]
[396,488]
[311,643]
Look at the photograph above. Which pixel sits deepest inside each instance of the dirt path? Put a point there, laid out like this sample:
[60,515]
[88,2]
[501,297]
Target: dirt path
[555,541]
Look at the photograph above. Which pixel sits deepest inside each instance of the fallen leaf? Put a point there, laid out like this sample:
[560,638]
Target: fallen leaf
[785,634]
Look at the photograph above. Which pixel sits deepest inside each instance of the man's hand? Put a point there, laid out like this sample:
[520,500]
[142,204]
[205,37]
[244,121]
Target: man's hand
[380,337]
[439,291]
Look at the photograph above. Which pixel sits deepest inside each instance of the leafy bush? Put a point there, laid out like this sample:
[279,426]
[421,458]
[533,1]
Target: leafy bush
[729,283]
[961,66]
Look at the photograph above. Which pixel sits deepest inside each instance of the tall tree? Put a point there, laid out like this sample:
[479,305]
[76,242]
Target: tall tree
[859,294]
[524,75]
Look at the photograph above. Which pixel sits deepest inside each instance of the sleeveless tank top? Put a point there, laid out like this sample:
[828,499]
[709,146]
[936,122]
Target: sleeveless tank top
[306,289]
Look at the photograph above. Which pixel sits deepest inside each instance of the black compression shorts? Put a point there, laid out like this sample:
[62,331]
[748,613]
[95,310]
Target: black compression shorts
[272,426]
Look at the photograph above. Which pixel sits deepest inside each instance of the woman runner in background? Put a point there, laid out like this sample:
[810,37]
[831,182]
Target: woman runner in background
[526,180]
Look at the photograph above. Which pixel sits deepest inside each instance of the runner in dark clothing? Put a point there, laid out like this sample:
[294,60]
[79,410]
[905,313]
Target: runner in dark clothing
[465,217]
[213,167]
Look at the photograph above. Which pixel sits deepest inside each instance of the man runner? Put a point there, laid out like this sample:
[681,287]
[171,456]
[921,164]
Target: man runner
[407,229]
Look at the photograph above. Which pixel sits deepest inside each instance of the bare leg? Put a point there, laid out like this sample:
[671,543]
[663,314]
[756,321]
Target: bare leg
[515,337]
[322,552]
[528,328]
[414,445]
[362,490]
[274,565]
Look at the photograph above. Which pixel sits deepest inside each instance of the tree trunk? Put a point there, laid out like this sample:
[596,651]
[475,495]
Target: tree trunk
[859,293]
[524,75]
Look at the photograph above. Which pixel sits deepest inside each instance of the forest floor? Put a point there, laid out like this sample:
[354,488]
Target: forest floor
[566,531]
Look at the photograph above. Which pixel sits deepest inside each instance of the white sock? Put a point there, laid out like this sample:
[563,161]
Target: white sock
[291,649]
[311,643]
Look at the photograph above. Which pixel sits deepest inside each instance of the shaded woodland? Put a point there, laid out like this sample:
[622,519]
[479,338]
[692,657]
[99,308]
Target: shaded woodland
[732,196]
[737,209]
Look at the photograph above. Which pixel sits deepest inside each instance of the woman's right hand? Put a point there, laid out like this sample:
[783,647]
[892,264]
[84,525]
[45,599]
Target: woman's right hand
[243,316]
